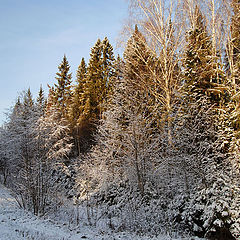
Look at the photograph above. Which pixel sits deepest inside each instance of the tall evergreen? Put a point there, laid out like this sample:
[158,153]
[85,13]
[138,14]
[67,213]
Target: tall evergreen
[118,67]
[91,92]
[78,101]
[108,68]
[203,74]
[62,90]
[99,74]
[93,84]
[205,121]
[41,102]
[77,105]
[137,58]
[139,64]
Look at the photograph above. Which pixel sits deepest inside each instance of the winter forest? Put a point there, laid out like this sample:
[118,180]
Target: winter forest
[147,142]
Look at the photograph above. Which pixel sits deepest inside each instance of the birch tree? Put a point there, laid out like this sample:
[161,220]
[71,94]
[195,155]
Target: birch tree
[159,22]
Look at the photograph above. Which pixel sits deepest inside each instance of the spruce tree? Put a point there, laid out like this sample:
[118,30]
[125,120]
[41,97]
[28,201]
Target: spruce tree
[77,105]
[203,74]
[62,90]
[108,71]
[99,74]
[91,109]
[118,66]
[137,58]
[77,102]
[41,102]
[206,134]
[91,92]
[139,64]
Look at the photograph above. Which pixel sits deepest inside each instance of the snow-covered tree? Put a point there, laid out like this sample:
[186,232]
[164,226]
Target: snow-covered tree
[4,155]
[52,146]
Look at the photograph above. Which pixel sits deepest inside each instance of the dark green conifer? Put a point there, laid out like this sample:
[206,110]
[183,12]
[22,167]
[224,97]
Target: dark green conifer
[41,102]
[93,84]
[28,105]
[100,72]
[78,101]
[62,90]
[108,70]
[203,73]
[91,92]
[77,105]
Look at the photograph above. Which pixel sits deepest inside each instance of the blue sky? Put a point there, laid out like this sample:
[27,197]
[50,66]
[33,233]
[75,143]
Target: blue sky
[35,34]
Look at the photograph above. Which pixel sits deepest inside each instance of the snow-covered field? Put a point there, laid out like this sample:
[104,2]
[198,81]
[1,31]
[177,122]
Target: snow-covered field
[17,224]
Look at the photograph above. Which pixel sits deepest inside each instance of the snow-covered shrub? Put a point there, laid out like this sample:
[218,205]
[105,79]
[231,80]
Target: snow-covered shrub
[209,212]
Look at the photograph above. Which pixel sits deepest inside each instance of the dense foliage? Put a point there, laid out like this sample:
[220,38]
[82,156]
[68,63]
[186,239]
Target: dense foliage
[152,138]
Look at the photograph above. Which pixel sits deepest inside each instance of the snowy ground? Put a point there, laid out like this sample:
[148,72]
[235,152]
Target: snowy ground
[16,224]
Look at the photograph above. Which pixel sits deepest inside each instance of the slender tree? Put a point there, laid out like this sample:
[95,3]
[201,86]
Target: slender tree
[78,101]
[62,89]
[98,74]
[202,72]
[77,106]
